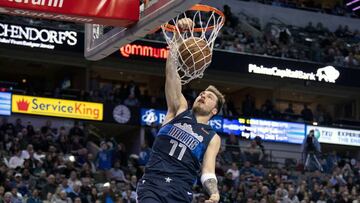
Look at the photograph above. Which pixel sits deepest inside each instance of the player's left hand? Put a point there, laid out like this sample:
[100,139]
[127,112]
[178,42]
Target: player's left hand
[214,198]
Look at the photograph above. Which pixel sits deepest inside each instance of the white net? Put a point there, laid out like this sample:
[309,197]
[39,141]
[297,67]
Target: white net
[191,37]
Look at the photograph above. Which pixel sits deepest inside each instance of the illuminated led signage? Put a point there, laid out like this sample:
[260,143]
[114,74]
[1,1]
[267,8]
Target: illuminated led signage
[327,74]
[36,37]
[5,104]
[145,51]
[275,131]
[152,116]
[57,107]
[336,135]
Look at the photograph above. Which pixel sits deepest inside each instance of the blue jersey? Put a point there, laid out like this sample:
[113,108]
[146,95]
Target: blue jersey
[179,149]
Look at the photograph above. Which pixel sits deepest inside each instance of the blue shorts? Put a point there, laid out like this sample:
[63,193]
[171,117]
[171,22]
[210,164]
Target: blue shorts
[163,189]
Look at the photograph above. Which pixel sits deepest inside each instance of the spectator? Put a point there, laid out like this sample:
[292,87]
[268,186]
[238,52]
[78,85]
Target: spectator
[64,144]
[133,90]
[248,171]
[289,109]
[144,155]
[311,149]
[129,196]
[120,154]
[107,196]
[133,182]
[20,185]
[248,106]
[16,161]
[34,198]
[91,162]
[2,192]
[307,114]
[253,152]
[61,197]
[86,171]
[104,157]
[265,194]
[319,114]
[232,151]
[18,125]
[77,193]
[73,180]
[49,188]
[76,130]
[117,174]
[132,101]
[15,196]
[93,196]
[350,61]
[65,186]
[234,170]
[8,197]
[86,184]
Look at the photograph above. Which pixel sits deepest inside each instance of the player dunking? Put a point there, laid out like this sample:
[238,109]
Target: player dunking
[184,146]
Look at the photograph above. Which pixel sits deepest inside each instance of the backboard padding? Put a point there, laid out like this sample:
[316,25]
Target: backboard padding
[158,13]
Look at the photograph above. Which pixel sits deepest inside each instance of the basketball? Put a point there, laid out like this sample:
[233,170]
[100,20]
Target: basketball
[194,53]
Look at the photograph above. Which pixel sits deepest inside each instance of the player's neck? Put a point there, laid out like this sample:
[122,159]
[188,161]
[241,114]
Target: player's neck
[202,119]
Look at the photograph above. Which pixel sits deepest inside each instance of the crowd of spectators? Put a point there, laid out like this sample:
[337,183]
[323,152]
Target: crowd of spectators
[255,180]
[40,157]
[57,165]
[333,7]
[268,110]
[311,43]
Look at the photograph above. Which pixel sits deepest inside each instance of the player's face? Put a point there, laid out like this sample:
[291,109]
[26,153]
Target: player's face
[205,104]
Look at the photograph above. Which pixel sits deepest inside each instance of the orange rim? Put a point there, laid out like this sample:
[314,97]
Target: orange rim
[199,7]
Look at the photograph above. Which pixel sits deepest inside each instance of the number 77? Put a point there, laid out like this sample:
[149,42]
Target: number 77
[173,148]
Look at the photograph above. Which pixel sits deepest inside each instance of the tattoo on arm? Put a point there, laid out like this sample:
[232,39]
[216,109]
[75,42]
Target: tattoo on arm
[211,186]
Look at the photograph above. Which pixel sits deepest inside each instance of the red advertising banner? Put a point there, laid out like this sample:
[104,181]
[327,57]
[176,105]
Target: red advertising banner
[107,12]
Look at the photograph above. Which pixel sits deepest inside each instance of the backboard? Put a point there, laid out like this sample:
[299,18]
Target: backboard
[101,41]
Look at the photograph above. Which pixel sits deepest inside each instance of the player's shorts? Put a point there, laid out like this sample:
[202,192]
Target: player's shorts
[163,190]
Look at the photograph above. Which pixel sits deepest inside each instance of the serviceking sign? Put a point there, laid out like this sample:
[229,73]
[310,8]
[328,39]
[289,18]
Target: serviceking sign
[336,135]
[57,107]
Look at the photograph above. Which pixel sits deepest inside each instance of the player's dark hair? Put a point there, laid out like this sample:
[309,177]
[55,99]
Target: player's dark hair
[220,97]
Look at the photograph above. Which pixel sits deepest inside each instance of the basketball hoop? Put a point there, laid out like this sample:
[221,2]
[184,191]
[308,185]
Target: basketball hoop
[207,22]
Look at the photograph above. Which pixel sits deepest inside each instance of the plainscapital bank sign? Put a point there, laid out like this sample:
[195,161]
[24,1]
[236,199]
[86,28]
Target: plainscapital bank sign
[35,37]
[327,74]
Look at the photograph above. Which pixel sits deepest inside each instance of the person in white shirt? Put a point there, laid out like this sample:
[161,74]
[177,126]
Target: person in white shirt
[234,170]
[16,161]
[73,179]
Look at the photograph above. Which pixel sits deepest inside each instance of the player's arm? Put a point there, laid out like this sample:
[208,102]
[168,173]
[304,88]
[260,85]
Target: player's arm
[176,102]
[208,177]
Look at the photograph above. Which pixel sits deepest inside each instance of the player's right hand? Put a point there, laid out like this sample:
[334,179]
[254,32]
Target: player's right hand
[185,24]
[214,198]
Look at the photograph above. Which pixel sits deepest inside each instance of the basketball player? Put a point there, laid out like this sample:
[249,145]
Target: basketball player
[184,147]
